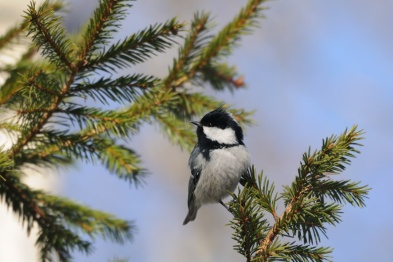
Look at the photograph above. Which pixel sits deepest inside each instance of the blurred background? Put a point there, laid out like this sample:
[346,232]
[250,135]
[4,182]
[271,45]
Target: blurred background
[312,69]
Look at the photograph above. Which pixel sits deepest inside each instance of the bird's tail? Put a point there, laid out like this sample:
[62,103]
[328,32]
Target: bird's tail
[192,212]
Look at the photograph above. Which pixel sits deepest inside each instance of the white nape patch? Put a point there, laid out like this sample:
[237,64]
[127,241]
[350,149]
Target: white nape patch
[222,136]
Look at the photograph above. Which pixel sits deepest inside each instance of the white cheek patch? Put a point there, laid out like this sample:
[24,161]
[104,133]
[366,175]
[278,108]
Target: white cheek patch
[222,136]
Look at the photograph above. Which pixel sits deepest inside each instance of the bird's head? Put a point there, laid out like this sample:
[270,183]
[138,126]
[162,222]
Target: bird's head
[219,126]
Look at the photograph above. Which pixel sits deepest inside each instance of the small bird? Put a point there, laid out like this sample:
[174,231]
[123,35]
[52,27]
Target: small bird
[217,161]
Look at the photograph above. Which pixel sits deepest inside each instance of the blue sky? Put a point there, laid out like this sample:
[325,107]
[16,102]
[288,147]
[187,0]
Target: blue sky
[312,69]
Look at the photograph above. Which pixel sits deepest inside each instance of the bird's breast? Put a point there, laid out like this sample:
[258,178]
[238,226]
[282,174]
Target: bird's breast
[221,173]
[231,159]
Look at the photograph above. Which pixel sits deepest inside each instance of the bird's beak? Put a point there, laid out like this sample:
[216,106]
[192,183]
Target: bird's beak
[196,123]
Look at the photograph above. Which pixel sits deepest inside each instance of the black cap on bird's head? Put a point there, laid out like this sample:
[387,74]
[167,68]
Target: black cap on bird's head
[221,119]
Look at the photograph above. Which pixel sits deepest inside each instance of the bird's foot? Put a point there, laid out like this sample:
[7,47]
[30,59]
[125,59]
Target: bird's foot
[226,207]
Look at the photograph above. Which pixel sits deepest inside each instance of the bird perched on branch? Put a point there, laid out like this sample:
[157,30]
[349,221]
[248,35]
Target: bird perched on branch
[217,161]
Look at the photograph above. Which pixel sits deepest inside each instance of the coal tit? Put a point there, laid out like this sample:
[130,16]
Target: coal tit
[217,161]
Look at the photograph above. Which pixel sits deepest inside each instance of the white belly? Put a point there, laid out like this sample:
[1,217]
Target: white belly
[221,174]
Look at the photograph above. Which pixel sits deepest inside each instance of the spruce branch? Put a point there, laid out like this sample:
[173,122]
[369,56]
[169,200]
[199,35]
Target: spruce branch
[119,124]
[331,158]
[60,148]
[221,76]
[90,221]
[47,32]
[42,82]
[6,163]
[122,89]
[205,67]
[53,236]
[142,110]
[16,70]
[88,117]
[121,127]
[186,106]
[249,223]
[12,84]
[195,40]
[18,30]
[136,48]
[299,253]
[199,55]
[38,124]
[265,195]
[193,56]
[52,213]
[176,130]
[222,45]
[102,25]
[312,201]
[229,36]
[343,191]
[122,161]
[54,127]
[151,102]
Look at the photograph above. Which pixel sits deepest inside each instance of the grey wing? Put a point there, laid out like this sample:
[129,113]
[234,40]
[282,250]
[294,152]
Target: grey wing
[192,206]
[194,154]
[195,173]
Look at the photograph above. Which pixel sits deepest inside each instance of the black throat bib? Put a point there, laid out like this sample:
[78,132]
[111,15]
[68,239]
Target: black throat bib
[215,145]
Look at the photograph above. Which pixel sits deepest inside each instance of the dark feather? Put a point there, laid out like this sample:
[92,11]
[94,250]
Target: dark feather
[194,178]
[192,208]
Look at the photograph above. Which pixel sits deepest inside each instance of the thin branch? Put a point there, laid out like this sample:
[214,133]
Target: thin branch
[188,52]
[107,15]
[44,119]
[31,81]
[33,212]
[332,157]
[229,35]
[12,85]
[136,48]
[279,224]
[50,34]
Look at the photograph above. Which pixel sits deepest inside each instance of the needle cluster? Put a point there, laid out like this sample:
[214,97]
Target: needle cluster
[314,200]
[66,98]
